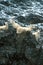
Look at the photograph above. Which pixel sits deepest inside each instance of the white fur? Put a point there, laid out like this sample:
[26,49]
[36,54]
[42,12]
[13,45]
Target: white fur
[4,27]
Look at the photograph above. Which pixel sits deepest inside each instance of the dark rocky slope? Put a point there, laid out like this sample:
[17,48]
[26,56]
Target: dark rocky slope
[20,49]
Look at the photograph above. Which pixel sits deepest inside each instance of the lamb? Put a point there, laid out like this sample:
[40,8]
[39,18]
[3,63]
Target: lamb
[37,34]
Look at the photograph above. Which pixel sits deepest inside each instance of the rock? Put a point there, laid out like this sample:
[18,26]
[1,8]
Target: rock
[19,48]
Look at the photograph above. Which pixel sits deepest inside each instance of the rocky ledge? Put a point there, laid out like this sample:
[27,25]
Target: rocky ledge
[21,45]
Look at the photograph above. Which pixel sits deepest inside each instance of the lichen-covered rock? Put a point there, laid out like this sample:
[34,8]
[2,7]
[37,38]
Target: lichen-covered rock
[14,44]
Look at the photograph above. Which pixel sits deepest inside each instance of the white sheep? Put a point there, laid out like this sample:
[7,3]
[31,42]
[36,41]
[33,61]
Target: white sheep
[19,28]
